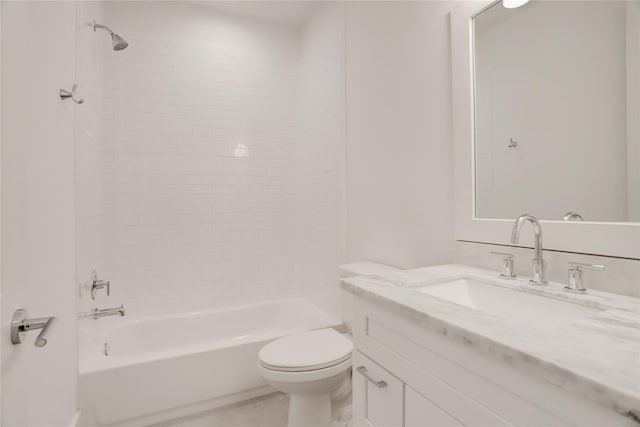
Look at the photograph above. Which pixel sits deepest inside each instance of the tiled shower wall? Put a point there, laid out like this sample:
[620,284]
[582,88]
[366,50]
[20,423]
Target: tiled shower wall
[198,158]
[221,164]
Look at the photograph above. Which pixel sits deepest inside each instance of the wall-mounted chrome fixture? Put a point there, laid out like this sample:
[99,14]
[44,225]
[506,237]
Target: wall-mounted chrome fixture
[572,216]
[118,42]
[98,313]
[512,4]
[98,284]
[65,94]
[20,324]
[512,143]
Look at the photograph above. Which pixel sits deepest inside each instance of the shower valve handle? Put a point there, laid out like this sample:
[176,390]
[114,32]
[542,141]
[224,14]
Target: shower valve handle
[99,284]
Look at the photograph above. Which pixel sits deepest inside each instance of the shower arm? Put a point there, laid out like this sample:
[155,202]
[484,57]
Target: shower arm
[104,27]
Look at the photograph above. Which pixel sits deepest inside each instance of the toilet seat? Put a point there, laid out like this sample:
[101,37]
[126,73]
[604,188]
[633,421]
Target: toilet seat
[307,351]
[292,377]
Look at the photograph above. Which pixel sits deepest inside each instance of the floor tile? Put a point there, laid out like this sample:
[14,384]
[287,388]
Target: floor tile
[265,411]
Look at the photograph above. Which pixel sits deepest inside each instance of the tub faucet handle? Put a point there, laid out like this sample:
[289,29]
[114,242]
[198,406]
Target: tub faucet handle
[98,284]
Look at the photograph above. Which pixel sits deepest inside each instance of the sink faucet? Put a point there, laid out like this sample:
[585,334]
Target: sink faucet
[538,264]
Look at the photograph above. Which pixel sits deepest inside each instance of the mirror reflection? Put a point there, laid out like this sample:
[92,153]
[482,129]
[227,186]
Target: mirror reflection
[557,134]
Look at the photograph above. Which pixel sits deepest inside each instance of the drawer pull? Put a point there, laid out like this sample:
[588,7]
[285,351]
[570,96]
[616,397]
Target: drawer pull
[363,371]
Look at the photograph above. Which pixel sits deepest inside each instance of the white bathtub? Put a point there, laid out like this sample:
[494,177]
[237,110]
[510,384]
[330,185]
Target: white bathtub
[163,367]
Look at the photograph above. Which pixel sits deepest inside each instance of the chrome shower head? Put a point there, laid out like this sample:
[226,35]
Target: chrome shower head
[118,42]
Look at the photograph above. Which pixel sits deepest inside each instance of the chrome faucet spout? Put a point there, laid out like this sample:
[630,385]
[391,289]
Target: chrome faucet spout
[537,232]
[538,276]
[115,311]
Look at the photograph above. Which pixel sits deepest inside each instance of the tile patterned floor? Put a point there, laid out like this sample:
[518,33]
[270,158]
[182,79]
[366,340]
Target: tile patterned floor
[266,411]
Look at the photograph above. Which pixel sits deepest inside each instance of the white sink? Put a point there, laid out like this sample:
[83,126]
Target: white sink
[510,304]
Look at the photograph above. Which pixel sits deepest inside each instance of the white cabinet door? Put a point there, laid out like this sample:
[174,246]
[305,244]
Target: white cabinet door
[377,395]
[421,412]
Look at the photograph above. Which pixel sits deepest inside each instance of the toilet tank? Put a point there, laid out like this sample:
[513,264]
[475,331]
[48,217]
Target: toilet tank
[354,269]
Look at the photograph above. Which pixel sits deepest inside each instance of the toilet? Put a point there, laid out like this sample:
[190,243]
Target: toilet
[312,366]
[308,366]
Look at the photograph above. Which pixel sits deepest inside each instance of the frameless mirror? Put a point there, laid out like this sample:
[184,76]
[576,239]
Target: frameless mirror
[557,111]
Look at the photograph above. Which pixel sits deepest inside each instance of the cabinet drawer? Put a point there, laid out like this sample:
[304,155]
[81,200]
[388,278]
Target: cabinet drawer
[377,395]
[421,412]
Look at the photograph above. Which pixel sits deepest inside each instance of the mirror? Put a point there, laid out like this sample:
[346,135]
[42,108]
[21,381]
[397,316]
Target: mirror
[557,111]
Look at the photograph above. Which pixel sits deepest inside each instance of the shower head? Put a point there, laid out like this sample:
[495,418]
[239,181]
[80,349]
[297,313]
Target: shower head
[118,42]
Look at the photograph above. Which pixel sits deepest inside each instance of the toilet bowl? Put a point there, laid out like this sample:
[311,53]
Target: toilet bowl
[309,366]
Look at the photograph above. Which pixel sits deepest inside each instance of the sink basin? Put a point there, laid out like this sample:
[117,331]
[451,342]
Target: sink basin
[510,304]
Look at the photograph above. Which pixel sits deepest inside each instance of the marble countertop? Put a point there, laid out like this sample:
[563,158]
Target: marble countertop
[597,356]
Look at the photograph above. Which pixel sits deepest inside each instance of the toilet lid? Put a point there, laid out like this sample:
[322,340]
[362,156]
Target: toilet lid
[306,351]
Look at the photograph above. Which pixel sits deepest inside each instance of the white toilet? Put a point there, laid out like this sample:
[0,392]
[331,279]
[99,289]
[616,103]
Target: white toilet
[308,366]
[311,365]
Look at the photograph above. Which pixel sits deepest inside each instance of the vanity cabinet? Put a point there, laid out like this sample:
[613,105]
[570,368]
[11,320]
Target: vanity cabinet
[406,374]
[379,398]
[420,411]
[382,400]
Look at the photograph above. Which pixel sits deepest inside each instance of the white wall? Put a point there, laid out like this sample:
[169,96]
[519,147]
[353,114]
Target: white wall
[320,155]
[560,93]
[38,39]
[633,109]
[399,181]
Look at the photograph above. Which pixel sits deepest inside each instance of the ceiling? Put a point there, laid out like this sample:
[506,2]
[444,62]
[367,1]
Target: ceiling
[290,13]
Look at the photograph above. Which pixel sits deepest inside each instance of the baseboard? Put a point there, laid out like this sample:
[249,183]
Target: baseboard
[189,409]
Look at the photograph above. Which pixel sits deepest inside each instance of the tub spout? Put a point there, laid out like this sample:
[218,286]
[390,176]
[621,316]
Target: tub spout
[98,313]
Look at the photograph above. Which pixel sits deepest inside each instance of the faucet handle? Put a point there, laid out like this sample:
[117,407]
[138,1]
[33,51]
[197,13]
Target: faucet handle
[99,284]
[20,324]
[575,276]
[580,265]
[507,264]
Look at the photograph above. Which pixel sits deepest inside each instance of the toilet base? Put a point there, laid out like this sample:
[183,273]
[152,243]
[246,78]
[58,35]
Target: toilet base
[310,410]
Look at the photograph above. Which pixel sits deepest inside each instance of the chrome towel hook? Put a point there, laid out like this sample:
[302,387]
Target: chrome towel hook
[65,94]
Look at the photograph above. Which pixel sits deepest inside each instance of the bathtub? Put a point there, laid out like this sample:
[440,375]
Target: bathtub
[154,369]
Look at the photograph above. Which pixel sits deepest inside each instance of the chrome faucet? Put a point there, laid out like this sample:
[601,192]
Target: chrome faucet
[538,263]
[98,313]
[572,216]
